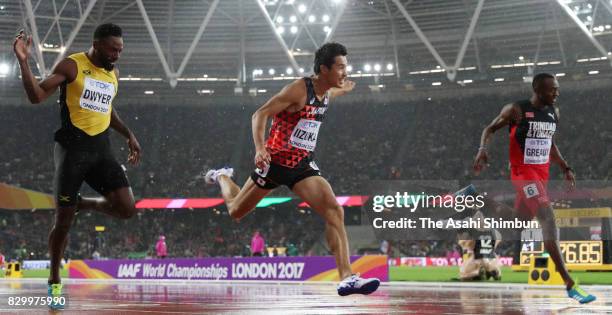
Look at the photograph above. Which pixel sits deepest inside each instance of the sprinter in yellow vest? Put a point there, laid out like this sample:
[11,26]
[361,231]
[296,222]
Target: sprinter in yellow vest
[88,84]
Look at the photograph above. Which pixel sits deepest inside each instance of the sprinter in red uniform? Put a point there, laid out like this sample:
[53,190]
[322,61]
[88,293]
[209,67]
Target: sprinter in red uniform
[533,123]
[286,158]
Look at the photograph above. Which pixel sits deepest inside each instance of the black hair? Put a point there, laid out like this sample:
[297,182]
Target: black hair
[538,78]
[105,30]
[327,54]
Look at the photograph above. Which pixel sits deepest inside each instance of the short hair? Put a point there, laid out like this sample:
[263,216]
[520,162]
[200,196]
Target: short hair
[106,30]
[538,78]
[327,54]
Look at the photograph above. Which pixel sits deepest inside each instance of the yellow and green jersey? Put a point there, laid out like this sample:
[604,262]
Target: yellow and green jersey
[86,104]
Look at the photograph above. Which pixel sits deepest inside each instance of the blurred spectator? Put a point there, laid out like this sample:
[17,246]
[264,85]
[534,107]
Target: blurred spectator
[161,248]
[453,254]
[292,250]
[257,245]
[385,248]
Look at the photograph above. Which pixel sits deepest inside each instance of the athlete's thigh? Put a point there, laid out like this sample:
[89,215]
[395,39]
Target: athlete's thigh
[531,194]
[70,171]
[124,197]
[470,266]
[491,264]
[317,192]
[250,195]
[107,175]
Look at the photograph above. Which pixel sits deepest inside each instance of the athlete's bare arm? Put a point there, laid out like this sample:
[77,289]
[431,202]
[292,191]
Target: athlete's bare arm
[555,154]
[347,87]
[119,126]
[134,146]
[556,157]
[509,114]
[291,98]
[40,91]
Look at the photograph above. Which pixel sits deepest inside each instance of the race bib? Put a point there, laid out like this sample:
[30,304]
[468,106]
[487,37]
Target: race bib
[537,151]
[531,190]
[304,135]
[97,96]
[486,245]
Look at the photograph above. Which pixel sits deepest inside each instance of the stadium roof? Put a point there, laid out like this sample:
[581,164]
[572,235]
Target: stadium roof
[251,37]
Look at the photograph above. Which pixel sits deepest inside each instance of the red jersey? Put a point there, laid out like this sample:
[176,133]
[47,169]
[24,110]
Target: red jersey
[530,143]
[293,136]
[531,137]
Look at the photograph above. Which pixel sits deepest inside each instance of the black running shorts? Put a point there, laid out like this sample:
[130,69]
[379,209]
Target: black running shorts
[276,175]
[98,169]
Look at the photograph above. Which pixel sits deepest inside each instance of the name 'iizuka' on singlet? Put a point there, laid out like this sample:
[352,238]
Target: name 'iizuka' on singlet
[293,136]
[531,138]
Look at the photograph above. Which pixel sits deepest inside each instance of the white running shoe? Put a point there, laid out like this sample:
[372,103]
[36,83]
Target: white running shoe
[212,175]
[355,284]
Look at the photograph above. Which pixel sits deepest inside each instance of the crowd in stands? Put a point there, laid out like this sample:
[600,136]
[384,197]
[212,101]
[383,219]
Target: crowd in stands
[430,139]
[189,233]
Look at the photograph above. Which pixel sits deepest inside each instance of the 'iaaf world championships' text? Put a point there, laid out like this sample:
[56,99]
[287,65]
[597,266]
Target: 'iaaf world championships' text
[413,202]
